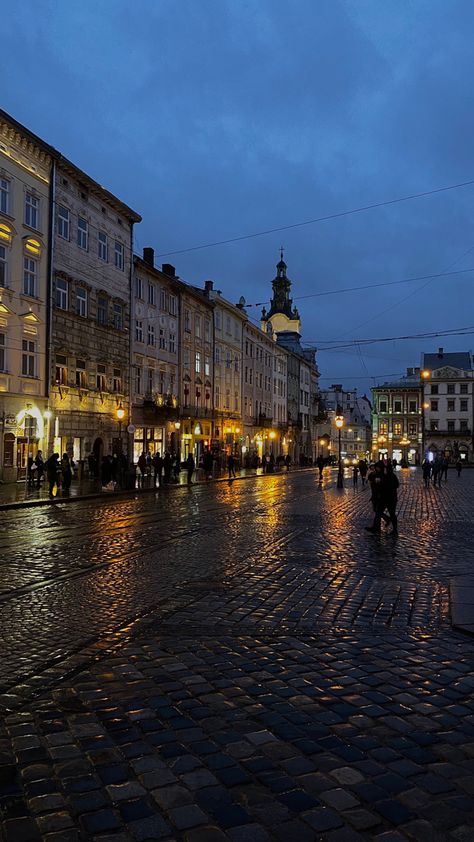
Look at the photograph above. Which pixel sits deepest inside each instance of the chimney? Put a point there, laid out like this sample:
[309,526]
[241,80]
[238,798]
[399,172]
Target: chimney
[440,352]
[208,286]
[149,256]
[168,269]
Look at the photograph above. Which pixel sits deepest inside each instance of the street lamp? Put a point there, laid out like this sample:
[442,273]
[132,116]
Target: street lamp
[424,375]
[339,422]
[120,417]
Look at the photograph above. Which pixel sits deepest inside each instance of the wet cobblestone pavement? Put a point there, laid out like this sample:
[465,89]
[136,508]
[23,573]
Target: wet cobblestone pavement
[237,662]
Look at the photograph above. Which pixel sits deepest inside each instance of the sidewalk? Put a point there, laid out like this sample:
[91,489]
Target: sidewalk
[18,494]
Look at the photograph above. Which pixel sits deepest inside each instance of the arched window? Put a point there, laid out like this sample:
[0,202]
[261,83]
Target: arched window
[33,247]
[5,234]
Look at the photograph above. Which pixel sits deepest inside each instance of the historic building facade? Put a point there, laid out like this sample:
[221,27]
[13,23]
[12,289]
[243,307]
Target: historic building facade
[448,387]
[90,324]
[196,373]
[155,337]
[26,176]
[229,320]
[356,434]
[397,419]
[259,435]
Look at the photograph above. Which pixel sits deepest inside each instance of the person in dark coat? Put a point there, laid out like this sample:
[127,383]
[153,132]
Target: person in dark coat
[387,498]
[355,476]
[231,466]
[157,469]
[208,463]
[66,472]
[167,466]
[459,467]
[363,470]
[177,466]
[190,466]
[426,469]
[52,472]
[39,467]
[30,470]
[288,461]
[320,464]
[106,472]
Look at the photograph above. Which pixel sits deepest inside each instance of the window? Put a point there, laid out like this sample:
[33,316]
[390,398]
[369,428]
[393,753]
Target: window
[197,326]
[150,376]
[451,405]
[29,276]
[451,389]
[207,330]
[434,390]
[32,205]
[207,366]
[236,363]
[61,370]
[412,406]
[139,331]
[463,424]
[3,360]
[434,426]
[138,287]
[228,359]
[172,343]
[28,359]
[187,321]
[118,316]
[173,305]
[81,302]
[397,406]
[81,374]
[463,406]
[228,325]
[151,293]
[412,429]
[117,380]
[102,310]
[397,429]
[4,195]
[186,359]
[82,233]
[382,406]
[162,340]
[383,428]
[434,406]
[138,380]
[118,253]
[151,334]
[101,377]
[63,222]
[103,246]
[451,427]
[62,290]
[3,267]
[463,388]
[198,363]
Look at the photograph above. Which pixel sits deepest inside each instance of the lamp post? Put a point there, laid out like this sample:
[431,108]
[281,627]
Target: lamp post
[424,375]
[339,422]
[120,417]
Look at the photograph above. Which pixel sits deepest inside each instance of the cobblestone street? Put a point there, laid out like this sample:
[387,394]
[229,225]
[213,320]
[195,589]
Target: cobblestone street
[238,661]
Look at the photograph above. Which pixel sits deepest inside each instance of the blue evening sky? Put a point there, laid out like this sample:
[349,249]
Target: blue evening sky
[217,118]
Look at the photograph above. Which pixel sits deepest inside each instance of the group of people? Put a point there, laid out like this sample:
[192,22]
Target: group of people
[164,469]
[383,484]
[437,470]
[59,472]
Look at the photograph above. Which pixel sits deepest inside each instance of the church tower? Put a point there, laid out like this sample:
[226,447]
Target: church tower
[282,316]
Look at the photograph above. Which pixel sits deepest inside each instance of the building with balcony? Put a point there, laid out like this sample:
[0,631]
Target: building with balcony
[397,419]
[26,176]
[448,404]
[196,372]
[155,354]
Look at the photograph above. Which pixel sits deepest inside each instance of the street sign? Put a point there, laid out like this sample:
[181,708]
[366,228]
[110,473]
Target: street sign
[131,428]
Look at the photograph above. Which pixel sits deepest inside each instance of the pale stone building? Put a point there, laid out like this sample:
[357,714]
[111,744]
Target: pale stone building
[448,405]
[26,173]
[397,419]
[259,435]
[90,326]
[280,402]
[356,433]
[155,334]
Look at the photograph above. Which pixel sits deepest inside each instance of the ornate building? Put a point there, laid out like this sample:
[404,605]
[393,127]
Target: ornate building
[448,404]
[196,372]
[397,419]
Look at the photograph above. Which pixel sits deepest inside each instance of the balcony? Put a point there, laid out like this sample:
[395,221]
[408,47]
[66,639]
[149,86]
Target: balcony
[261,420]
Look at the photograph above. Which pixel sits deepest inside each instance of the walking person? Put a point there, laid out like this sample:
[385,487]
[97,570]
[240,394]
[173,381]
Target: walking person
[445,466]
[426,468]
[39,467]
[363,469]
[231,466]
[177,467]
[208,463]
[436,472]
[167,466]
[355,476]
[190,467]
[52,473]
[288,461]
[141,468]
[30,469]
[320,464]
[459,467]
[157,469]
[66,472]
[387,498]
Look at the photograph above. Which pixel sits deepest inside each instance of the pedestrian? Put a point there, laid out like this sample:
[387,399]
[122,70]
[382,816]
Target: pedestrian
[459,467]
[177,466]
[288,461]
[52,473]
[39,467]
[30,469]
[355,476]
[157,470]
[374,479]
[167,465]
[363,469]
[271,464]
[386,498]
[207,463]
[66,472]
[190,466]
[320,464]
[231,466]
[426,468]
[436,472]
[445,466]
[142,467]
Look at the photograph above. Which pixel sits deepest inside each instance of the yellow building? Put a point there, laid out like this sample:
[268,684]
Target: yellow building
[26,172]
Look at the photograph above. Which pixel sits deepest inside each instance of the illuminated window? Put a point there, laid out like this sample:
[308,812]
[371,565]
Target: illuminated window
[383,428]
[5,233]
[30,275]
[33,247]
[32,208]
[103,246]
[82,233]
[62,294]
[3,267]
[118,253]
[198,363]
[63,222]
[81,302]
[207,366]
[397,429]
[4,195]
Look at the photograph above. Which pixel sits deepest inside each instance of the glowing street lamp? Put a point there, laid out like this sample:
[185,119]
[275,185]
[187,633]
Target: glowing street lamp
[120,417]
[339,422]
